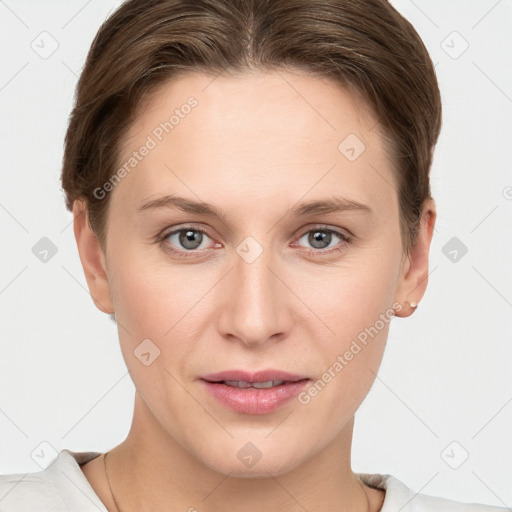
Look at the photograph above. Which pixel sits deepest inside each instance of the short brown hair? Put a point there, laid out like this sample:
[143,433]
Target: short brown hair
[365,45]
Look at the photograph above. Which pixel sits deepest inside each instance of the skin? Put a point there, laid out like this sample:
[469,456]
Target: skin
[255,146]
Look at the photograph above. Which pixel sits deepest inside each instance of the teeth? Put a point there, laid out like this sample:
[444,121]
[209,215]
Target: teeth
[259,385]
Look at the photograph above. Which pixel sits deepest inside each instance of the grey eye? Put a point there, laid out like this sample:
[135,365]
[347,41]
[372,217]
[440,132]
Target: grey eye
[320,238]
[190,239]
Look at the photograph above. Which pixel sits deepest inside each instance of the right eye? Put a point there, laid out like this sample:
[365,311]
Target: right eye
[187,239]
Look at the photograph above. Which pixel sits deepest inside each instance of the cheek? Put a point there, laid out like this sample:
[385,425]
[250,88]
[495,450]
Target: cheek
[156,329]
[354,297]
[350,360]
[164,303]
[151,294]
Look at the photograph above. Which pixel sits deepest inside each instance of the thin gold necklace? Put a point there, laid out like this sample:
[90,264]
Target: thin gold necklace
[119,509]
[108,480]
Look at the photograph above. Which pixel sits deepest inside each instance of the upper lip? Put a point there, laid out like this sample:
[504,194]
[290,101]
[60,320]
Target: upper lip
[259,376]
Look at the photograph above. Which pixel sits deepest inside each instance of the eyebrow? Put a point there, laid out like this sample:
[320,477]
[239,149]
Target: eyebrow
[329,205]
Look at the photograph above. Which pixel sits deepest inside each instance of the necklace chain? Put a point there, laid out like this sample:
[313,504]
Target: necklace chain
[118,509]
[108,480]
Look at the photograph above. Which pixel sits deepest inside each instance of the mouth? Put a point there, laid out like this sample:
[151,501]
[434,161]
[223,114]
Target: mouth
[262,378]
[257,385]
[258,393]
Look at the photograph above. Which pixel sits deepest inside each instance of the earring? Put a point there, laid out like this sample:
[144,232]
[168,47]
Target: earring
[413,305]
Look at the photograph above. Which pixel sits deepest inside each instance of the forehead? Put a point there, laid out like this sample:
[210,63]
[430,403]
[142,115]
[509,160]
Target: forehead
[257,135]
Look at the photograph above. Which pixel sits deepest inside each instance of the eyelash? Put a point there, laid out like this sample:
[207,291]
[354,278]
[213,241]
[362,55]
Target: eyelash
[312,252]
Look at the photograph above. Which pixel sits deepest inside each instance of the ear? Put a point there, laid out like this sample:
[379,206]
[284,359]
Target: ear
[413,278]
[92,258]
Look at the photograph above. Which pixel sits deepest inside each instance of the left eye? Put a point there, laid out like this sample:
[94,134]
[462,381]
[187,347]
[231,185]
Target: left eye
[322,238]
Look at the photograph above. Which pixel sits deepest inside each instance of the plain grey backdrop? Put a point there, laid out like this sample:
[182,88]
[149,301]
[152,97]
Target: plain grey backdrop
[439,415]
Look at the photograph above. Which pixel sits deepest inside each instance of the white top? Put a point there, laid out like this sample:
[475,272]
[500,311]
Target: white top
[62,487]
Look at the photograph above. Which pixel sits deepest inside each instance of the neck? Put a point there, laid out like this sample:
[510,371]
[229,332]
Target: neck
[149,472]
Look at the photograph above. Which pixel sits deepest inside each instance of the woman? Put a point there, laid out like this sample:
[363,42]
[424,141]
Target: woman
[249,181]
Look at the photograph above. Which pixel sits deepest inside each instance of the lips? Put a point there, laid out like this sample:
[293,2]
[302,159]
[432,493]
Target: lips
[254,393]
[258,377]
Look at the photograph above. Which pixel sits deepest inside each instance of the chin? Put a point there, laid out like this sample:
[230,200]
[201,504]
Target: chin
[248,462]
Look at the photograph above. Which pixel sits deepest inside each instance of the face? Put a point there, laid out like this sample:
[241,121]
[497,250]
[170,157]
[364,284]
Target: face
[292,266]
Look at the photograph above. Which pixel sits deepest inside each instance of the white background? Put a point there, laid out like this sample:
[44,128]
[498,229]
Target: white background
[446,374]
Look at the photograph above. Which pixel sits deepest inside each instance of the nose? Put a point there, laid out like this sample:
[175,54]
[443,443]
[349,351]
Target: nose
[256,303]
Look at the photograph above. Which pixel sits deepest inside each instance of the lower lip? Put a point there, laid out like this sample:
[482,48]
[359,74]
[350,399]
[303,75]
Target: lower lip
[253,400]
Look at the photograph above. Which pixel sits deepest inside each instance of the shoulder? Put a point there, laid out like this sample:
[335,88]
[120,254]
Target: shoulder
[60,487]
[400,497]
